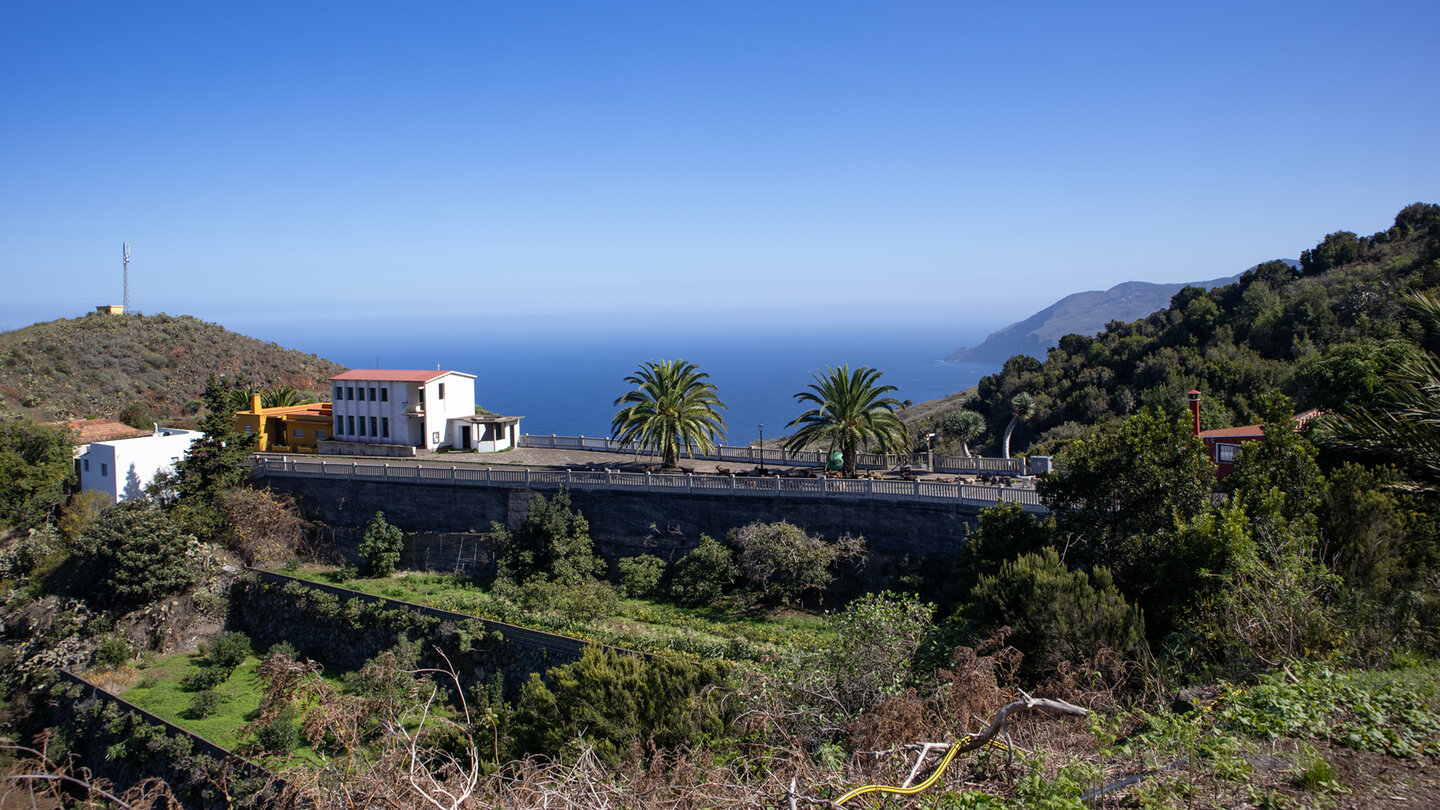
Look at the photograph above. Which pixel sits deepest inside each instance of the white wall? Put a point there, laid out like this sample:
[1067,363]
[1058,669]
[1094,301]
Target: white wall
[400,397]
[123,467]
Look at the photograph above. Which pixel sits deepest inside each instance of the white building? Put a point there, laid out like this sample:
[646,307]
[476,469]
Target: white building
[121,468]
[426,409]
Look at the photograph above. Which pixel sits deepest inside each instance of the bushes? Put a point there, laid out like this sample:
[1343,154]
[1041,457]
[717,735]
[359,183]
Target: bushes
[380,546]
[703,575]
[640,575]
[619,703]
[1056,614]
[783,562]
[553,543]
[138,553]
[112,652]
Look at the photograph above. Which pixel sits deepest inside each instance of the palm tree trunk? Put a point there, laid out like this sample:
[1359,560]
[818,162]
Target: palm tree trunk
[1010,428]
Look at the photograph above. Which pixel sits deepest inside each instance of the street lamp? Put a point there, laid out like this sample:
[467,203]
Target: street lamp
[762,447]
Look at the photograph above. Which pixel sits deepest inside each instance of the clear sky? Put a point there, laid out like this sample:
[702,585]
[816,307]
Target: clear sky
[546,166]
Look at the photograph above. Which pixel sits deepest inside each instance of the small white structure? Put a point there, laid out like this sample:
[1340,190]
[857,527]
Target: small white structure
[121,468]
[425,409]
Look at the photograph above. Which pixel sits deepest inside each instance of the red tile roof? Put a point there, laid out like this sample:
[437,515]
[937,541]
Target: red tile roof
[102,430]
[390,375]
[1234,432]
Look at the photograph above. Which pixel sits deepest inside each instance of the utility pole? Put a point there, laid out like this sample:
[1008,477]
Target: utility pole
[125,251]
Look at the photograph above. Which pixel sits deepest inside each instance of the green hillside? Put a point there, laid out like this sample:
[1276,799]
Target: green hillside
[1318,333]
[99,365]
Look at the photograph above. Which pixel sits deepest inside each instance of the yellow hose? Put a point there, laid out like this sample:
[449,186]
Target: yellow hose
[929,780]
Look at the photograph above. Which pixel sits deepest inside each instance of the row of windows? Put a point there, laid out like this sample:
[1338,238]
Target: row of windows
[379,426]
[349,393]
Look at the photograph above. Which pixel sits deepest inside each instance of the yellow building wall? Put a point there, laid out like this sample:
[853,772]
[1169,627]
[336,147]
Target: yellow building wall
[275,428]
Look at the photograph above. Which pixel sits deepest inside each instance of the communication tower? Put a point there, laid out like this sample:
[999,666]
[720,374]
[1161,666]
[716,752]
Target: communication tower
[125,251]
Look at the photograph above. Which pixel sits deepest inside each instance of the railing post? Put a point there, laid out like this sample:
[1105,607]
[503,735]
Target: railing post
[352,469]
[822,485]
[689,482]
[732,482]
[527,476]
[487,475]
[452,473]
[567,475]
[609,478]
[386,470]
[870,487]
[917,487]
[647,480]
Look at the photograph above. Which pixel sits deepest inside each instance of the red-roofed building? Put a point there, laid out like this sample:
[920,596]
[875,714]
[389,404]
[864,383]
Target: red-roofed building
[1223,444]
[414,408]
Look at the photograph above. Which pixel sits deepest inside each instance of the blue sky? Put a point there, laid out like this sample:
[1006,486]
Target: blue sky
[555,167]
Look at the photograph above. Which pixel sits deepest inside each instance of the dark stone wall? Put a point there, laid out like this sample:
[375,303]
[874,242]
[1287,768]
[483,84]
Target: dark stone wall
[444,521]
[342,629]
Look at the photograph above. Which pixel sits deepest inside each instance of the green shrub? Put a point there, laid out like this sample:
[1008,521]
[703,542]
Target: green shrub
[203,704]
[228,650]
[553,543]
[640,576]
[380,547]
[620,703]
[783,561]
[138,553]
[702,576]
[279,735]
[207,677]
[112,652]
[284,648]
[1055,614]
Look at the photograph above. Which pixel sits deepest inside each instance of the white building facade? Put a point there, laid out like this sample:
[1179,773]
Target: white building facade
[123,467]
[425,409]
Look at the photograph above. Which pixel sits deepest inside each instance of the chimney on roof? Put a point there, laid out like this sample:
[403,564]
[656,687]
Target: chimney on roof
[1194,397]
[255,403]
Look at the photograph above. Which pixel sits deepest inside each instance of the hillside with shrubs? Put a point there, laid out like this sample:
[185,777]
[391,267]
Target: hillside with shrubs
[139,368]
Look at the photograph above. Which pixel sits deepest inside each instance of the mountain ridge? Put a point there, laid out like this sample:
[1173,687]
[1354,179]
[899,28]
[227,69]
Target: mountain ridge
[1084,313]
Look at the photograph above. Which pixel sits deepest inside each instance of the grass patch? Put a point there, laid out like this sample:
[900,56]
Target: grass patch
[712,631]
[158,690]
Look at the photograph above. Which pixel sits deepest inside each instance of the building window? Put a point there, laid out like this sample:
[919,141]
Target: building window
[319,435]
[372,393]
[350,423]
[249,429]
[349,392]
[1227,453]
[299,433]
[384,394]
[87,465]
[339,426]
[372,427]
[337,393]
[422,395]
[104,470]
[362,426]
[441,395]
[384,426]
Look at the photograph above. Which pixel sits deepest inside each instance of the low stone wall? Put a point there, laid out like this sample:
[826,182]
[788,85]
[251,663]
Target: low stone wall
[330,447]
[125,744]
[342,629]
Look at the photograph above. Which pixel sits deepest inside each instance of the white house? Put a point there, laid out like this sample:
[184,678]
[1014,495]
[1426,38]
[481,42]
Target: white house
[426,409]
[121,468]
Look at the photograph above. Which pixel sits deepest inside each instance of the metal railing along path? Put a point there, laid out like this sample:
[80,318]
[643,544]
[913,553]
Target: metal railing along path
[966,465]
[688,483]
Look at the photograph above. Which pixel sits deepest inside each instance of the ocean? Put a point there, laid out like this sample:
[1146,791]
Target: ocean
[567,385]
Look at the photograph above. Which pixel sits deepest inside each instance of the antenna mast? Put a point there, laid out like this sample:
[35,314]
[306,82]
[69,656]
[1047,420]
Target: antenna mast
[125,250]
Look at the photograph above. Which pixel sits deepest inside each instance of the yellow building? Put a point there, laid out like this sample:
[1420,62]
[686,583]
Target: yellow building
[286,429]
[110,309]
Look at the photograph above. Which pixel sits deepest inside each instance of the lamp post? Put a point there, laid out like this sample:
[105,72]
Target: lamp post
[930,452]
[762,447]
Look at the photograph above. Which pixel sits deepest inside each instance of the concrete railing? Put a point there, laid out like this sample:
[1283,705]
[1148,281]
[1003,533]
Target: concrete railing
[775,455]
[687,483]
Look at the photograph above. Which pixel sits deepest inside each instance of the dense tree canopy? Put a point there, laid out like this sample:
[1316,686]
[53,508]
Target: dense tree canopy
[35,465]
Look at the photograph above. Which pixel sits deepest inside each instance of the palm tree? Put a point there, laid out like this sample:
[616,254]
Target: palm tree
[853,412]
[963,426]
[283,396]
[1403,425]
[238,398]
[1021,407]
[672,406]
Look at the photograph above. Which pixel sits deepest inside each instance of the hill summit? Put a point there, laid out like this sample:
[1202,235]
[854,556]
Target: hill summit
[1082,313]
[100,364]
